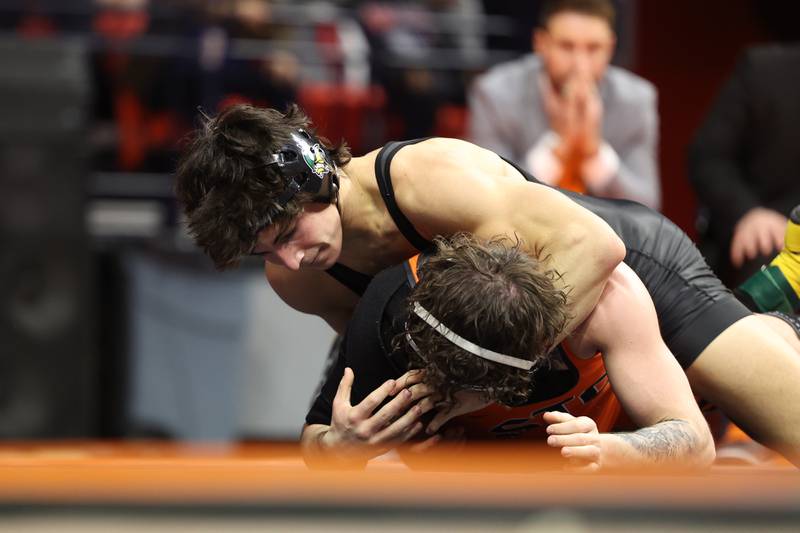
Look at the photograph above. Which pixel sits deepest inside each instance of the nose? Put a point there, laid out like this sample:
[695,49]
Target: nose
[289,256]
[581,63]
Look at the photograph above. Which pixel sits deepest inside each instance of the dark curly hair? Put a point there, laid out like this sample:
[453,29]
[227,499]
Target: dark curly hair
[227,191]
[491,293]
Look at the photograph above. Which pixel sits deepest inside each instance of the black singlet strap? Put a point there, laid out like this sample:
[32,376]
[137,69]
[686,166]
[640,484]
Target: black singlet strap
[358,281]
[352,279]
[527,175]
[382,163]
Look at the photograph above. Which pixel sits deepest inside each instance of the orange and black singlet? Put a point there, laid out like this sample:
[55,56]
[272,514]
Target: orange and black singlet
[578,386]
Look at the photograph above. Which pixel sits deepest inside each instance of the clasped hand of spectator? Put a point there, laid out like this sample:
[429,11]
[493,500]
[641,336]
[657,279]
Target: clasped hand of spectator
[576,115]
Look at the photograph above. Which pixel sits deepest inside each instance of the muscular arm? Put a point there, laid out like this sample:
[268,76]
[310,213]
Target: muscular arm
[445,186]
[647,380]
[662,442]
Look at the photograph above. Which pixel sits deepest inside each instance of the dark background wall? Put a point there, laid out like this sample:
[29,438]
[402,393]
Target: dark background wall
[687,49]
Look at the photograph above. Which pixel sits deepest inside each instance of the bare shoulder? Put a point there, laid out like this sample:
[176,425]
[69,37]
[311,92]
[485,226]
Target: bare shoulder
[448,185]
[313,292]
[440,156]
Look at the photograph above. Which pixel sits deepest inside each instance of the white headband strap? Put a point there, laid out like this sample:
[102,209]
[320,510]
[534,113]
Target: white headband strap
[471,347]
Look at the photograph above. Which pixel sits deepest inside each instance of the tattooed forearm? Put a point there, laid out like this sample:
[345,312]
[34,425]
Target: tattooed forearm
[669,439]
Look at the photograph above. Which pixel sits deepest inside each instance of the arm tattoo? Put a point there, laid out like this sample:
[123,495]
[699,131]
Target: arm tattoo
[665,440]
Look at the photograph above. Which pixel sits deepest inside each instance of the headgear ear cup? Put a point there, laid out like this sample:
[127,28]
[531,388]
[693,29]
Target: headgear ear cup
[307,164]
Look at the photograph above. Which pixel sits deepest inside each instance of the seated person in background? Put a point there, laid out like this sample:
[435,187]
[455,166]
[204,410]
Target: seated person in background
[566,115]
[698,317]
[744,161]
[504,314]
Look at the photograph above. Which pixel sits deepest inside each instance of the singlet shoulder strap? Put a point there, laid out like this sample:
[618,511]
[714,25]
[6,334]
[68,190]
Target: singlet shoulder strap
[527,175]
[358,281]
[382,164]
[352,279]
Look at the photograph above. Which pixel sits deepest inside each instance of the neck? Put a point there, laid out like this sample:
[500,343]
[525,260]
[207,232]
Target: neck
[351,209]
[360,223]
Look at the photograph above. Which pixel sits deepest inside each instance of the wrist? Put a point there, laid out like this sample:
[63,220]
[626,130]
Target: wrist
[543,161]
[590,148]
[321,440]
[599,170]
[338,452]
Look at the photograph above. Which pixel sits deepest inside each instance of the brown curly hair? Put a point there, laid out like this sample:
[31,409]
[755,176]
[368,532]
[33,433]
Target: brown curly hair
[494,294]
[603,9]
[227,191]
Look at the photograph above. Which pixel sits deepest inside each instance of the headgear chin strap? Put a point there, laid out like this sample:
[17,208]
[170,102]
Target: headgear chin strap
[308,166]
[471,347]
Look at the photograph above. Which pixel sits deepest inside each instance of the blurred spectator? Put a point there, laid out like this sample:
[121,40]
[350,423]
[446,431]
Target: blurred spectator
[159,60]
[213,73]
[417,50]
[744,161]
[566,115]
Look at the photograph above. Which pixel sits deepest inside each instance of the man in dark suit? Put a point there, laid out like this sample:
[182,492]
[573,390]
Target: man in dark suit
[744,161]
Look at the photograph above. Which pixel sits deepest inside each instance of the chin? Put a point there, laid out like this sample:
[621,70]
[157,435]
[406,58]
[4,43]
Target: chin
[329,261]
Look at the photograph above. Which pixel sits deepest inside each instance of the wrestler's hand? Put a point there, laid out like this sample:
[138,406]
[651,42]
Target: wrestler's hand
[759,232]
[578,438]
[465,402]
[359,433]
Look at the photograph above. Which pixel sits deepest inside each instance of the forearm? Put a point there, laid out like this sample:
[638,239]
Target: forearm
[667,443]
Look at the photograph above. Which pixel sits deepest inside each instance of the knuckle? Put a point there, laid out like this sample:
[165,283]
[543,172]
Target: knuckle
[352,418]
[580,440]
[363,433]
